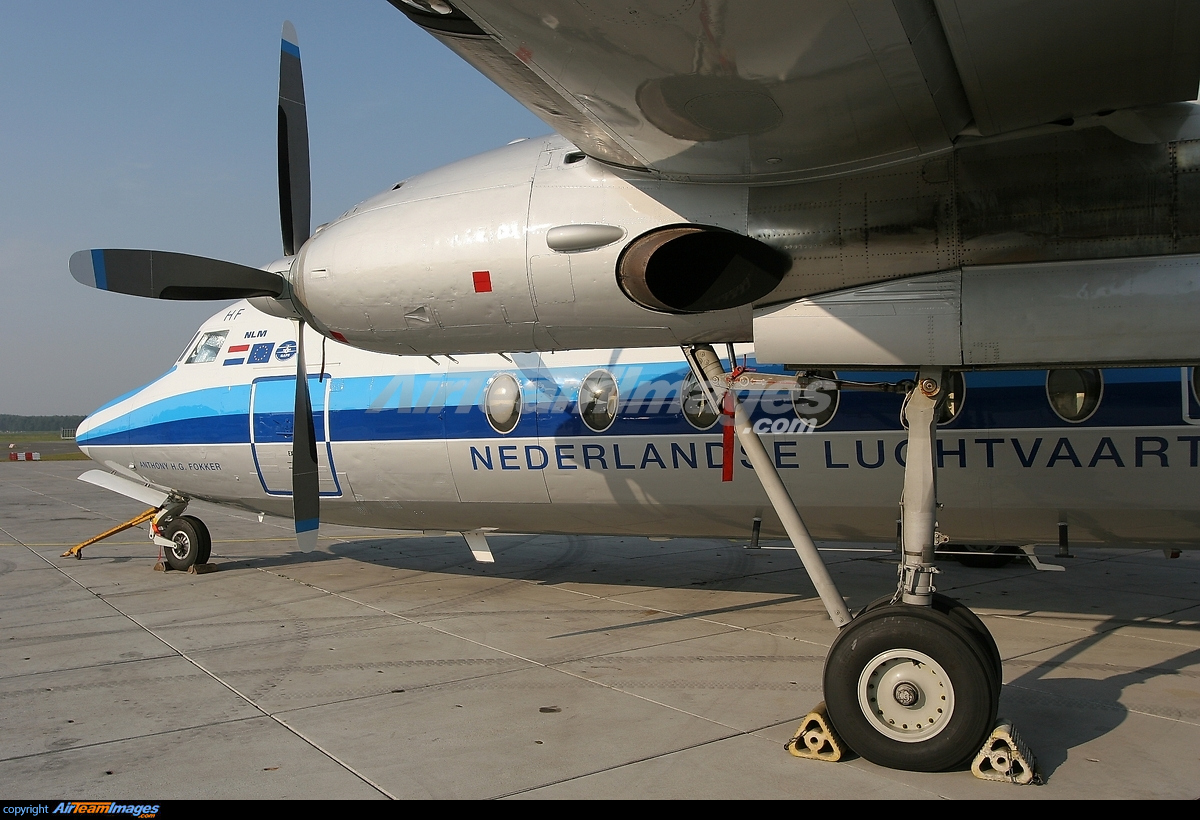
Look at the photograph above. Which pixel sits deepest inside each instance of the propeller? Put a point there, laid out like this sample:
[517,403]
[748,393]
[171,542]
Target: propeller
[295,207]
[178,276]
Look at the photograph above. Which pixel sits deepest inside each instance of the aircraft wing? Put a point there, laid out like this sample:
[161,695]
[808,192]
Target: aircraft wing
[773,90]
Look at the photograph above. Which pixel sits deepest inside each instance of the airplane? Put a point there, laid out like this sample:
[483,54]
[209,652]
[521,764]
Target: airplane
[918,203]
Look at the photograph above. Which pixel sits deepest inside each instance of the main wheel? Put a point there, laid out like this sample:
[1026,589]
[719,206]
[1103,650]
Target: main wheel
[205,549]
[183,533]
[910,688]
[960,612]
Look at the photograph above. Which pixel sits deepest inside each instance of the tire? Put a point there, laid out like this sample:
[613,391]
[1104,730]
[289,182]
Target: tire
[985,556]
[961,613]
[187,543]
[893,653]
[202,533]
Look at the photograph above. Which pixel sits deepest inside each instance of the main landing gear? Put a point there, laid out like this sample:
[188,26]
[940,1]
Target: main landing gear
[913,682]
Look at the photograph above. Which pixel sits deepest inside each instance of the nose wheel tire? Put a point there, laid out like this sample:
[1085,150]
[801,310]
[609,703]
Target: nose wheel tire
[911,688]
[189,541]
[201,528]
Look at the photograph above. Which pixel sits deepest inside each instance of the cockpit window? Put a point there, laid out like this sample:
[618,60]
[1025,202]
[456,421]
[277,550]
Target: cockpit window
[187,347]
[208,347]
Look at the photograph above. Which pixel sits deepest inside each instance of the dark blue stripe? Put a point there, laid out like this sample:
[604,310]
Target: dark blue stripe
[228,429]
[98,269]
[289,48]
[307,524]
[992,400]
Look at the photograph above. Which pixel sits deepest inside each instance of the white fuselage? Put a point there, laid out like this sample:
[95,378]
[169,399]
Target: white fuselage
[404,442]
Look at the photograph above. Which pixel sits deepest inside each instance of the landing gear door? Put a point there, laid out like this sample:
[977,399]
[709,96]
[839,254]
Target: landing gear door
[272,425]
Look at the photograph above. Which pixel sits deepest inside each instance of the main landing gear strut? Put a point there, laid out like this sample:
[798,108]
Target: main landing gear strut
[912,682]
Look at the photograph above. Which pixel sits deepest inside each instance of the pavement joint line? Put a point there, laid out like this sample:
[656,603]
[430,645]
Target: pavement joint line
[754,733]
[621,765]
[123,662]
[684,615]
[111,741]
[531,661]
[219,680]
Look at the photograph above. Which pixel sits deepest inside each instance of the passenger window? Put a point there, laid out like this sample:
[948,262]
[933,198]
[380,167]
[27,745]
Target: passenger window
[598,401]
[503,403]
[817,400]
[696,408]
[208,347]
[956,393]
[1074,394]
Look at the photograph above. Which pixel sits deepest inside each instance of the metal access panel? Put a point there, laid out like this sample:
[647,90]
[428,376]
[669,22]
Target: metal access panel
[272,426]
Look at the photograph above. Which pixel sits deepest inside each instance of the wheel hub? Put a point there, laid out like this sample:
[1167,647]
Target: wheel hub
[906,695]
[182,545]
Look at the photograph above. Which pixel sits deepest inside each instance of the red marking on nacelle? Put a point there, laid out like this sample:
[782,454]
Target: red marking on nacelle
[482,280]
[337,336]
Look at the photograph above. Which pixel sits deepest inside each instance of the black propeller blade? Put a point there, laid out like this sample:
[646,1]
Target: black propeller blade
[306,492]
[295,187]
[166,275]
[295,197]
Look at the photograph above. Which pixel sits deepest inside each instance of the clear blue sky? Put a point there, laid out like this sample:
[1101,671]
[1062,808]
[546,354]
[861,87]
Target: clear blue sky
[152,125]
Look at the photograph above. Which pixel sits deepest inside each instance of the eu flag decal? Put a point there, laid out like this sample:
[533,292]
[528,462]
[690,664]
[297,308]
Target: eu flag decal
[260,353]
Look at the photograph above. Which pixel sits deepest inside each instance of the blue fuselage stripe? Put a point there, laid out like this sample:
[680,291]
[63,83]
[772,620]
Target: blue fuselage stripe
[430,407]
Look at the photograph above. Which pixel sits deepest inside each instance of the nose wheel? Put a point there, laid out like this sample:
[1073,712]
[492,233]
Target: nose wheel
[911,688]
[191,541]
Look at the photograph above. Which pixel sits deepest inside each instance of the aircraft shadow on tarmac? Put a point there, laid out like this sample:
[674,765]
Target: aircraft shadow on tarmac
[1055,713]
[1095,702]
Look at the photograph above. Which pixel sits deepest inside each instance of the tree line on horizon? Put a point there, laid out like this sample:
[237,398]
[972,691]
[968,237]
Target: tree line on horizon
[37,424]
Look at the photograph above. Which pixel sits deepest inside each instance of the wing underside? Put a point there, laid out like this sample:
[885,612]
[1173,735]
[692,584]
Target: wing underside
[774,90]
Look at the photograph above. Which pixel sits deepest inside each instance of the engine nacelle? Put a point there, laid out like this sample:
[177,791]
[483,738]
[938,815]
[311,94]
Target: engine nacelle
[519,250]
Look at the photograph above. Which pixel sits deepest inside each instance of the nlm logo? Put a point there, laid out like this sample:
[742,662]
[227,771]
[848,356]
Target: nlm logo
[255,334]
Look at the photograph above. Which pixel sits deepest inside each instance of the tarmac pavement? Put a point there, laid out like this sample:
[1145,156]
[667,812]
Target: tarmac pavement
[386,665]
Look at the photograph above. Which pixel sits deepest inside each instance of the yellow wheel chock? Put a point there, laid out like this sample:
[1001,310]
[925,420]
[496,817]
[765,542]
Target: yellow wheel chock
[815,739]
[1005,757]
[141,518]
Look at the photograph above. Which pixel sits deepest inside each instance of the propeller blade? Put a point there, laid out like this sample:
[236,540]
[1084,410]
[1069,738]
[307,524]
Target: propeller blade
[306,493]
[166,275]
[295,189]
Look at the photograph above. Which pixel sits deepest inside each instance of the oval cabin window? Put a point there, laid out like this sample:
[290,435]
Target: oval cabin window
[598,401]
[816,402]
[1074,394]
[696,407]
[502,403]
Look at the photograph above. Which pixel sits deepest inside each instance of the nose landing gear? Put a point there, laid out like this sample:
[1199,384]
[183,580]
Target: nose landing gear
[191,541]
